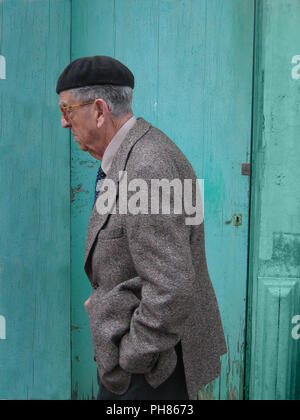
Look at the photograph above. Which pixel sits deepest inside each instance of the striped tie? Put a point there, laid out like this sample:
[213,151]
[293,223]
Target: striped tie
[99,181]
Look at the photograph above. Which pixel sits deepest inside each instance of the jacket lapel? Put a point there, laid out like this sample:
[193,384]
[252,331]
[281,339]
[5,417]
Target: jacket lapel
[118,164]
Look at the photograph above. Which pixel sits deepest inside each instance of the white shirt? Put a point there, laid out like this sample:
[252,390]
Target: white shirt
[115,143]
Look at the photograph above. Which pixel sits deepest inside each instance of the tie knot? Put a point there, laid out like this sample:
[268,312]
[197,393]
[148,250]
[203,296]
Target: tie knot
[99,180]
[101,174]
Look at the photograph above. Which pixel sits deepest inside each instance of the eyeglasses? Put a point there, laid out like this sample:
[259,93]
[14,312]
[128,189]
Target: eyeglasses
[66,110]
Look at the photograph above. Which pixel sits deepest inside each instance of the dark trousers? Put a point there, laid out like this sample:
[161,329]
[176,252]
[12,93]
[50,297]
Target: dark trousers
[174,388]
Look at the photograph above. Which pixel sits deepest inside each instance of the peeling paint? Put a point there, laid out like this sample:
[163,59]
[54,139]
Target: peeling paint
[206,393]
[75,392]
[84,397]
[73,327]
[77,190]
[232,394]
[237,367]
[283,257]
[286,248]
[89,163]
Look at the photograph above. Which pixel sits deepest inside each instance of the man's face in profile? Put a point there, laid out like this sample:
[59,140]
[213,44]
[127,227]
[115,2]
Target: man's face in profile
[78,120]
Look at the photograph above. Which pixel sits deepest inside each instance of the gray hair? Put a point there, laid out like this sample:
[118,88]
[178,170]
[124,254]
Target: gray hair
[118,98]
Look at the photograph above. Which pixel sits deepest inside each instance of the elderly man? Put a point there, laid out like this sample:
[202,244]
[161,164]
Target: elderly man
[154,318]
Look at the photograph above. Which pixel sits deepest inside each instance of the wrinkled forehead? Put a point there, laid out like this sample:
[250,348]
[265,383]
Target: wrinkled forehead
[65,98]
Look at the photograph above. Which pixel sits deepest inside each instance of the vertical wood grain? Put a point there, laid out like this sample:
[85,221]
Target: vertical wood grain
[205,98]
[273,359]
[34,205]
[93,33]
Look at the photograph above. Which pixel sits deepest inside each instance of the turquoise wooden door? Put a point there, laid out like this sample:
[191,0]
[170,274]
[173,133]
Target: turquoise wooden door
[192,60]
[34,205]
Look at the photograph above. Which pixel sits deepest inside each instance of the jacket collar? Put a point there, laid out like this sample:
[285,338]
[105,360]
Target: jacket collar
[118,164]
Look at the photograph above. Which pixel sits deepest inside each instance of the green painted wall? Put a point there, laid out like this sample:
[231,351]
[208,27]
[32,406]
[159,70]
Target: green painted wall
[35,202]
[273,362]
[192,60]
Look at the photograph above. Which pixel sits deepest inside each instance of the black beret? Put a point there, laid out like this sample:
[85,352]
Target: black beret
[96,70]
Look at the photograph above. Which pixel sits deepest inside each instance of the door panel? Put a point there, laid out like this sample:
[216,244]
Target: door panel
[34,205]
[192,61]
[273,362]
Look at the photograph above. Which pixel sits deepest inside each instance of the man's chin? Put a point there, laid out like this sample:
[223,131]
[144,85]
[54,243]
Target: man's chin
[82,148]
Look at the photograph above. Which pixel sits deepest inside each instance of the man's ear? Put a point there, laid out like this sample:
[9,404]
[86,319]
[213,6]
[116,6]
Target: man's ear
[102,110]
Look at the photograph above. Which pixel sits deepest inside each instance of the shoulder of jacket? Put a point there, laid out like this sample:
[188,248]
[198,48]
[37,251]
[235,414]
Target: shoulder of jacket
[154,141]
[157,148]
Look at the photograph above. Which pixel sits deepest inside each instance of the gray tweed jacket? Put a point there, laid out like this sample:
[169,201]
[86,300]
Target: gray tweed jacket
[151,286]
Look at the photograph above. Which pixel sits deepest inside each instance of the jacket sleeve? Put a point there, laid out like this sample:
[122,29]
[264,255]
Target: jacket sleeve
[160,248]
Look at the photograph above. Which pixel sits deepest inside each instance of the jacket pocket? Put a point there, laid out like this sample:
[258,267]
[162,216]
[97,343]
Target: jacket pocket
[110,315]
[163,368]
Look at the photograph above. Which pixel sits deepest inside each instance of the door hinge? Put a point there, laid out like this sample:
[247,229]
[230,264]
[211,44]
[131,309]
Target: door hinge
[246,169]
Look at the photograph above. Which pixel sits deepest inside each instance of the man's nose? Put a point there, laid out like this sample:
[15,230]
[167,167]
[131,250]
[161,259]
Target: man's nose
[65,123]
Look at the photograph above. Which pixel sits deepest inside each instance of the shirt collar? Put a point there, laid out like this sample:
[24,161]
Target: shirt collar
[115,143]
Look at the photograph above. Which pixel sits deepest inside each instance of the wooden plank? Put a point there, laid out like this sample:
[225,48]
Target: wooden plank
[34,208]
[139,50]
[205,92]
[94,19]
[92,34]
[273,370]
